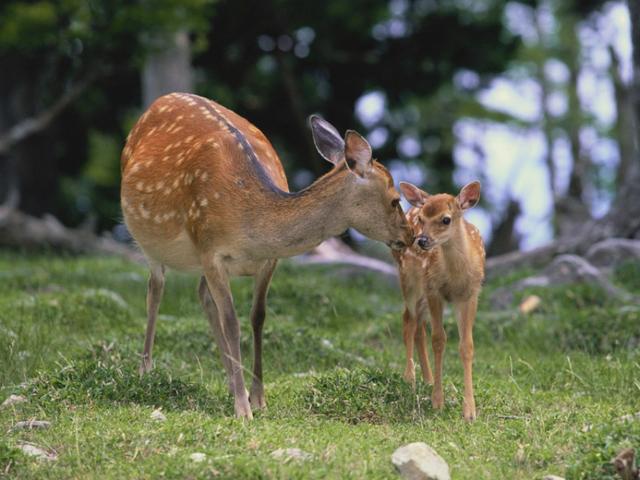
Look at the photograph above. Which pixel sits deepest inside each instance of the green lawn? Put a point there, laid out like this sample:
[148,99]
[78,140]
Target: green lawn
[550,387]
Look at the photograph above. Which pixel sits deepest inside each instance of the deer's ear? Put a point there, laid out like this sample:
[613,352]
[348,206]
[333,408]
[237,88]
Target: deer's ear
[469,195]
[413,194]
[327,140]
[357,152]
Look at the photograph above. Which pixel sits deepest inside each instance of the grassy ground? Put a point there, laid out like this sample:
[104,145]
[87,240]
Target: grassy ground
[550,387]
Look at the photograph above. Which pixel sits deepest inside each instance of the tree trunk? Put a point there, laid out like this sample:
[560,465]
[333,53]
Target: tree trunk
[168,68]
[623,220]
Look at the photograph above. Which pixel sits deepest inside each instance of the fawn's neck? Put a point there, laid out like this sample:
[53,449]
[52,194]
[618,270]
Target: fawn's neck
[456,252]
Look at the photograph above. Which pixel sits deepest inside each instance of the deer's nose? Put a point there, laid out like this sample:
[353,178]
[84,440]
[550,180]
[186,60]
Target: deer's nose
[423,242]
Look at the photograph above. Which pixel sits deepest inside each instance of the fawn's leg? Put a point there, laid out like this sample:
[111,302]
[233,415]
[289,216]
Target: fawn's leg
[466,317]
[438,341]
[211,311]
[421,343]
[409,325]
[218,283]
[258,311]
[155,288]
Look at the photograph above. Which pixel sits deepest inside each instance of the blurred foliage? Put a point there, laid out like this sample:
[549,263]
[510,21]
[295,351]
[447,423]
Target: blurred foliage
[274,62]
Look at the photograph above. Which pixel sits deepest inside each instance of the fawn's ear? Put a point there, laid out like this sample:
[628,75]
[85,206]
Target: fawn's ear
[469,195]
[357,152]
[413,194]
[327,140]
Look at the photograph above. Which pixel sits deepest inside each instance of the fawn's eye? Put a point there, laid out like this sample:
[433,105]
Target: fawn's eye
[395,203]
[446,220]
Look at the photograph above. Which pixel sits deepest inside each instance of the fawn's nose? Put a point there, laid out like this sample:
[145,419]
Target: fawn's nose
[423,242]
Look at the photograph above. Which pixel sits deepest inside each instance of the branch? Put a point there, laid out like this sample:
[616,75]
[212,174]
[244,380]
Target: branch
[39,122]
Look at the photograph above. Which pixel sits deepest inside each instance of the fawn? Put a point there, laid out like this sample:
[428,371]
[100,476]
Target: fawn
[446,266]
[203,190]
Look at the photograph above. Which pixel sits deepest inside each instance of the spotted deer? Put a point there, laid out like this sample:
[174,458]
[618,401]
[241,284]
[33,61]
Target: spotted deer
[445,265]
[203,190]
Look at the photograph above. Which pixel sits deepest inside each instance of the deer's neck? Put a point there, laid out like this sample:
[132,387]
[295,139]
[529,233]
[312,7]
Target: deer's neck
[291,224]
[455,252]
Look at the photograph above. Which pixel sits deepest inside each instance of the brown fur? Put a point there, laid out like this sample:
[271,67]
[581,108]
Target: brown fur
[452,270]
[204,190]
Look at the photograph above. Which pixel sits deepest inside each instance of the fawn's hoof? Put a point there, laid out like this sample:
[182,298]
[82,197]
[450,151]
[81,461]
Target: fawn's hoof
[437,401]
[145,367]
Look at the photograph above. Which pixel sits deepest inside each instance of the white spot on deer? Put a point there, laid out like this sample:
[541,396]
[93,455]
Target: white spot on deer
[168,147]
[176,182]
[179,117]
[160,185]
[216,195]
[151,132]
[140,186]
[167,191]
[135,167]
[177,129]
[205,175]
[189,139]
[204,202]
[162,108]
[179,162]
[253,129]
[144,212]
[424,263]
[193,115]
[157,218]
[170,127]
[241,146]
[148,163]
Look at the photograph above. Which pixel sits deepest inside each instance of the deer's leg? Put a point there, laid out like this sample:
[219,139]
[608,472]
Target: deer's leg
[155,288]
[409,325]
[218,283]
[466,318]
[258,311]
[210,309]
[421,343]
[438,341]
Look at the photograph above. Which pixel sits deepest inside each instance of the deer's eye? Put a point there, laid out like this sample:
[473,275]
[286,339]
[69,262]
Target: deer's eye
[395,203]
[446,220]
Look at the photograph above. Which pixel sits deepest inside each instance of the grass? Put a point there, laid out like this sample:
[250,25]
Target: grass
[550,387]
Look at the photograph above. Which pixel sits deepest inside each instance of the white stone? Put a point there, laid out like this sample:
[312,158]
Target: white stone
[288,454]
[13,400]
[158,416]
[34,451]
[418,461]
[31,425]
[198,457]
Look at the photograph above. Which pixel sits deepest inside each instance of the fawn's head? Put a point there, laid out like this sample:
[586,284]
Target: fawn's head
[371,202]
[439,216]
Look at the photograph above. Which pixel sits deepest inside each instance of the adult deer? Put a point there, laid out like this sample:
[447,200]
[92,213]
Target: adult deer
[447,265]
[203,190]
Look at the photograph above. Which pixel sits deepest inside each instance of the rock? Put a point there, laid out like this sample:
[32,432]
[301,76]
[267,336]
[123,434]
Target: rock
[32,425]
[288,454]
[198,457]
[108,294]
[13,400]
[35,451]
[552,477]
[563,270]
[631,417]
[418,461]
[529,304]
[612,252]
[625,464]
[158,416]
